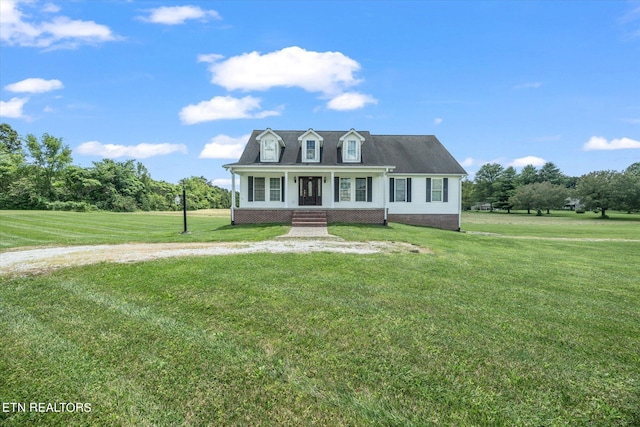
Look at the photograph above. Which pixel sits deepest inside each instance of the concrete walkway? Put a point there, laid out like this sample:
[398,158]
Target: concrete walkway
[309,232]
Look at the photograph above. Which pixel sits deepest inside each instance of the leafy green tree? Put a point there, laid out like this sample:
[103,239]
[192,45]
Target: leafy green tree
[120,186]
[528,175]
[50,157]
[469,196]
[12,164]
[524,197]
[597,191]
[504,189]
[628,188]
[549,196]
[9,139]
[487,182]
[549,172]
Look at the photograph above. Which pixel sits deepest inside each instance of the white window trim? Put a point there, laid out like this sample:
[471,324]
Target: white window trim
[366,190]
[345,153]
[316,151]
[277,187]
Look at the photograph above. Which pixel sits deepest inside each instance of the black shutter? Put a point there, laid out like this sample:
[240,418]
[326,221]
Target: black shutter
[391,185]
[250,193]
[369,189]
[336,189]
[445,190]
[282,189]
[428,189]
[408,189]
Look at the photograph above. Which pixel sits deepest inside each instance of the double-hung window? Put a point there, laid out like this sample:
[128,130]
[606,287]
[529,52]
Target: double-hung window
[401,190]
[274,189]
[258,189]
[436,189]
[345,189]
[351,151]
[310,150]
[361,189]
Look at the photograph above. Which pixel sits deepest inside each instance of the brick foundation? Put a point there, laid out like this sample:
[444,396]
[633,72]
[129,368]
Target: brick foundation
[444,221]
[262,216]
[360,216]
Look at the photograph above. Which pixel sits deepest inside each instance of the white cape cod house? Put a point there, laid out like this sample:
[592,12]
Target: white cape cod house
[347,176]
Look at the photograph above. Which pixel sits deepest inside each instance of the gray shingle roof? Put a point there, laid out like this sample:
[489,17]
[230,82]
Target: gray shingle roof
[408,153]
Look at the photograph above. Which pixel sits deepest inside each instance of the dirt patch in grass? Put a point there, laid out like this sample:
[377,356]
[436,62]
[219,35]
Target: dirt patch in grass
[43,260]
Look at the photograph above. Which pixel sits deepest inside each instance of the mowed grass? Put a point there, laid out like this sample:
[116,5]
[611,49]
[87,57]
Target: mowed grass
[486,330]
[41,228]
[565,224]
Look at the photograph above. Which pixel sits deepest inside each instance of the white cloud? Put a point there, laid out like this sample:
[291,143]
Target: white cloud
[600,143]
[13,108]
[327,72]
[224,147]
[176,15]
[437,121]
[50,8]
[18,28]
[528,85]
[350,101]
[209,57]
[224,107]
[226,183]
[528,160]
[469,161]
[34,85]
[140,151]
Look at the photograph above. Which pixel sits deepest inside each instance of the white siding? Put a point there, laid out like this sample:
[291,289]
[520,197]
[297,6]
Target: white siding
[419,205]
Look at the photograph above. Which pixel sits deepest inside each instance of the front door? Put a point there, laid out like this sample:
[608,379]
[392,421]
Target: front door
[310,191]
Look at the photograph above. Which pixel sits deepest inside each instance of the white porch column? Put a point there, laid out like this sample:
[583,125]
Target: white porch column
[286,189]
[385,195]
[333,190]
[233,197]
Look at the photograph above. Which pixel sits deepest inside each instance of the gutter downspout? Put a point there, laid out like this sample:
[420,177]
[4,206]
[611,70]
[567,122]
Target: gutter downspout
[384,195]
[459,203]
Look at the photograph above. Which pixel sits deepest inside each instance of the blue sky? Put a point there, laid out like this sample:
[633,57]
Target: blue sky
[179,86]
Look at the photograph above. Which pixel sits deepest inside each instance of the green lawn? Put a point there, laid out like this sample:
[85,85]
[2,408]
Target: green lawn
[519,328]
[35,228]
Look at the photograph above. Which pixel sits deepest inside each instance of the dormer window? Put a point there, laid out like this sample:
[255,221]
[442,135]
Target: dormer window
[269,150]
[310,144]
[351,144]
[270,146]
[310,150]
[352,151]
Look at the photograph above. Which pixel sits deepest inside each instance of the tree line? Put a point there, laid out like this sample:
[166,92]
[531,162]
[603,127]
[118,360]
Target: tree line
[39,174]
[546,188]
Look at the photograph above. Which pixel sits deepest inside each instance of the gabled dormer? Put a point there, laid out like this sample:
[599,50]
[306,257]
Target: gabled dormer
[310,144]
[351,145]
[271,145]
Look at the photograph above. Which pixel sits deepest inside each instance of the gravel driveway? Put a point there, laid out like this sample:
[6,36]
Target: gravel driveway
[23,261]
